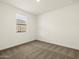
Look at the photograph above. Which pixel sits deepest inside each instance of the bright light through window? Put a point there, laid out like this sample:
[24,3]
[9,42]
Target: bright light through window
[21,17]
[20,23]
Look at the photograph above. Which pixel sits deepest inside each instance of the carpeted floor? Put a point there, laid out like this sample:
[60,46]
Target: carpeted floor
[39,50]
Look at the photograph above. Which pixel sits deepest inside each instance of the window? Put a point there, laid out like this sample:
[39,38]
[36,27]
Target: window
[20,23]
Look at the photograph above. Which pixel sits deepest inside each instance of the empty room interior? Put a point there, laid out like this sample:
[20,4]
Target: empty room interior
[39,29]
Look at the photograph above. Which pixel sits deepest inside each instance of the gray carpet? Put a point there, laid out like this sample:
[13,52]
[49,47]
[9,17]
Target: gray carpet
[39,50]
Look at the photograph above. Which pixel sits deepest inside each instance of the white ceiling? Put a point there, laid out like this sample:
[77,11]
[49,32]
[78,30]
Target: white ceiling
[43,6]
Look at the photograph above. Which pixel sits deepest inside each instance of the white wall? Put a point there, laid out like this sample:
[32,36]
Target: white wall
[60,26]
[8,35]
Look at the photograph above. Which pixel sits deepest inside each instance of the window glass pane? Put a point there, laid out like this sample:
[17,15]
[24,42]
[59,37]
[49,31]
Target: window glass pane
[20,23]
